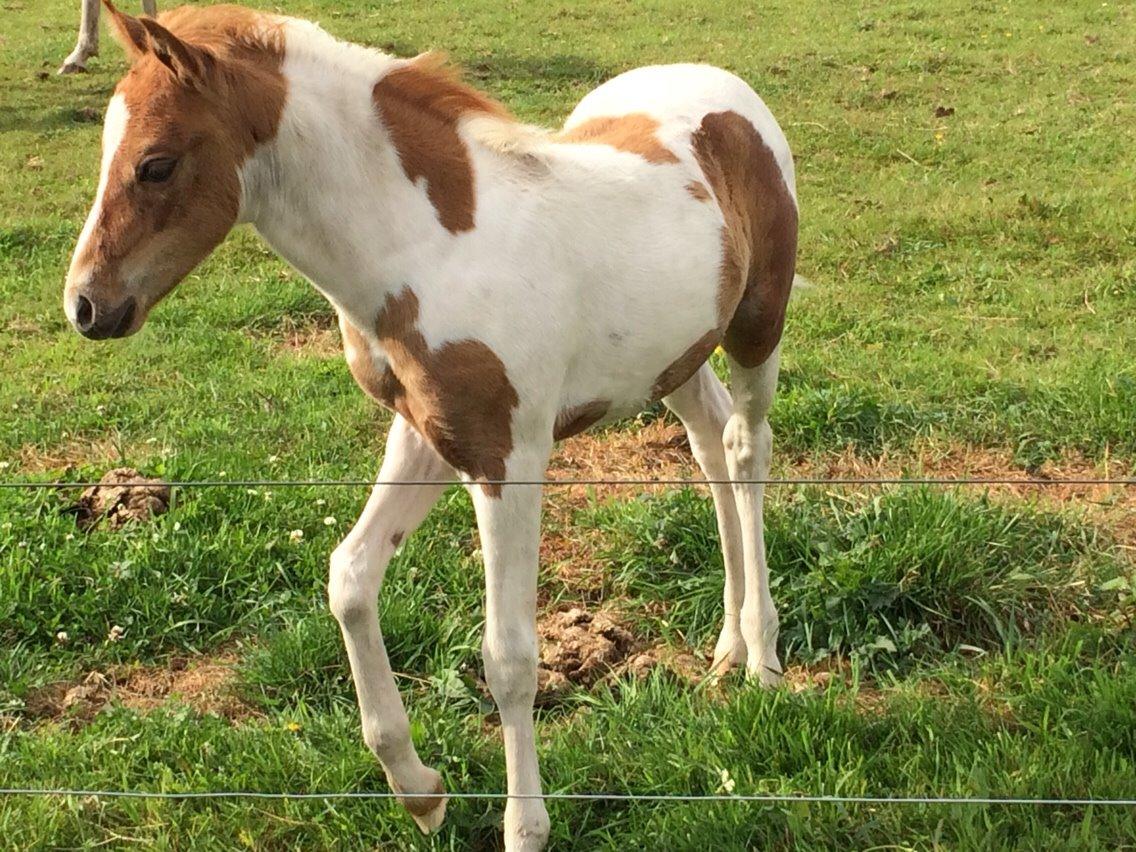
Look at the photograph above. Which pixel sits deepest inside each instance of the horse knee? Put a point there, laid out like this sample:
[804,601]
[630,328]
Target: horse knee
[351,594]
[510,666]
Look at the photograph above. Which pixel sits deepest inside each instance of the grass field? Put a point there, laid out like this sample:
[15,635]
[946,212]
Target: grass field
[969,218]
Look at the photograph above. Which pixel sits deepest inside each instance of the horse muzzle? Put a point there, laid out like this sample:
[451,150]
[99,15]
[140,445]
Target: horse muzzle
[97,320]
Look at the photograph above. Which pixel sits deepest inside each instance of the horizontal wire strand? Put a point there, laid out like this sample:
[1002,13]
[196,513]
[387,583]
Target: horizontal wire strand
[791,481]
[624,797]
[585,797]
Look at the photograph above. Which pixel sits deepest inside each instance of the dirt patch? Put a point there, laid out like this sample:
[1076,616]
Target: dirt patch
[206,685]
[121,496]
[1110,507]
[31,458]
[657,450]
[307,337]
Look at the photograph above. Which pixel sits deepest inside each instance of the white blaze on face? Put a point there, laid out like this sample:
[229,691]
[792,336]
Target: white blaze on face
[114,129]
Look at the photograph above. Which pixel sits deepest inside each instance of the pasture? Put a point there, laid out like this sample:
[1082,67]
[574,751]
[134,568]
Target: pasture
[969,220]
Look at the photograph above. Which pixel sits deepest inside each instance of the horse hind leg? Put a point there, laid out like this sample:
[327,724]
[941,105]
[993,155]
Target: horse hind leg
[703,405]
[748,444]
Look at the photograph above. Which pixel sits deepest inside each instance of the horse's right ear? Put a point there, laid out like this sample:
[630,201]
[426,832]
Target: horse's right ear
[128,32]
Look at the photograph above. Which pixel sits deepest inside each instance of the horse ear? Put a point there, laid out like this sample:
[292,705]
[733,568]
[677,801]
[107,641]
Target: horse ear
[190,64]
[128,32]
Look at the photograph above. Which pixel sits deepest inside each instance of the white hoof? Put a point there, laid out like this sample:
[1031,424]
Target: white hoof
[427,811]
[431,821]
[72,68]
[729,652]
[767,673]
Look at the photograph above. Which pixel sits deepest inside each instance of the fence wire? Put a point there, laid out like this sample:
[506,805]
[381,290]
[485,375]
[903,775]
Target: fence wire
[767,798]
[958,482]
[770,798]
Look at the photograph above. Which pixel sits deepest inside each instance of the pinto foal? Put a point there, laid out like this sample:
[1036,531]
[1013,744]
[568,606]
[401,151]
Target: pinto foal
[498,287]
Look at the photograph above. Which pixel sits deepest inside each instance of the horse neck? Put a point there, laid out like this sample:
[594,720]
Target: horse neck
[329,194]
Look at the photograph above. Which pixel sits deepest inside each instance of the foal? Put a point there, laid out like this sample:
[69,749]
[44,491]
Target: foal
[499,287]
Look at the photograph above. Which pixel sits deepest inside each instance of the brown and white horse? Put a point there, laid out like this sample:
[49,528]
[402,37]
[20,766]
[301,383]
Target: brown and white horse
[498,286]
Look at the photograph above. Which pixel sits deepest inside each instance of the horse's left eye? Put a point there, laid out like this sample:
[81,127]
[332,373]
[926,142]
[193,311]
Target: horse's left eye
[156,169]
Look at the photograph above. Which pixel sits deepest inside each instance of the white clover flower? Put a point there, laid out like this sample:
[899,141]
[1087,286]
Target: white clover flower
[116,633]
[727,785]
[329,521]
[295,536]
[62,638]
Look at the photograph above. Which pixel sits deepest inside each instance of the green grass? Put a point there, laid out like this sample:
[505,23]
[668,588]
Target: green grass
[975,283]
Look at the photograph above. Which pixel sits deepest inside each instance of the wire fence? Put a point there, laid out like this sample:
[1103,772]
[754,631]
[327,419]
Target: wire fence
[957,482]
[766,798]
[769,798]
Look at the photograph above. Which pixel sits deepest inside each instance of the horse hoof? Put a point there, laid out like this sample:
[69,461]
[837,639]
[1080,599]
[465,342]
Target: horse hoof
[428,811]
[768,675]
[72,68]
[727,655]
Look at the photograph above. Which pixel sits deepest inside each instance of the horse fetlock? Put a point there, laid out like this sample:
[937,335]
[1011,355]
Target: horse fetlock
[526,825]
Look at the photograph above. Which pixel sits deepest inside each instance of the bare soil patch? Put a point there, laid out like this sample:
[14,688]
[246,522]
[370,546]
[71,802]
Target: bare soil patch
[307,337]
[31,458]
[657,450]
[205,684]
[1111,507]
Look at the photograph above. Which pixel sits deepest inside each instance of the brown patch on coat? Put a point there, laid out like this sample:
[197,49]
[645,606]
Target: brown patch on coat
[685,366]
[634,133]
[576,418]
[205,87]
[760,240]
[421,104]
[396,538]
[698,191]
[458,396]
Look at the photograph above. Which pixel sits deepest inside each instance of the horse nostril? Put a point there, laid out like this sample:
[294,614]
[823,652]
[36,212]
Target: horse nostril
[84,314]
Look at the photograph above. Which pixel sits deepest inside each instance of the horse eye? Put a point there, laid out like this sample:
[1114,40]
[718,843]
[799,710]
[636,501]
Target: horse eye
[156,169]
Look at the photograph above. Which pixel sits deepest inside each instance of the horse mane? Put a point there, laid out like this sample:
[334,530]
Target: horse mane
[433,85]
[439,88]
[226,30]
[429,82]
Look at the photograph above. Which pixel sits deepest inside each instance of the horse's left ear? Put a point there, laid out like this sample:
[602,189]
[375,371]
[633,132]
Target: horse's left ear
[128,31]
[190,64]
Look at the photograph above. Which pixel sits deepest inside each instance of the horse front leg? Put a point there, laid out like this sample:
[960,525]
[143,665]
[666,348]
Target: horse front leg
[88,44]
[508,520]
[357,568]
